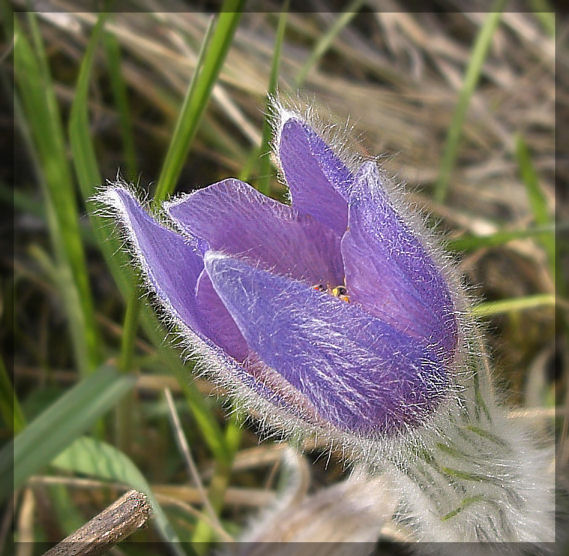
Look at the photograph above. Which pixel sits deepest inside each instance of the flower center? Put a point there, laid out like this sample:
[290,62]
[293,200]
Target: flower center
[340,292]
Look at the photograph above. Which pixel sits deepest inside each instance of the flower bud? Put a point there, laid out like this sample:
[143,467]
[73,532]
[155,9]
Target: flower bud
[332,309]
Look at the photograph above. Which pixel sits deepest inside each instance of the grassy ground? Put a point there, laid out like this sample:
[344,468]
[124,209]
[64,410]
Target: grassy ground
[460,106]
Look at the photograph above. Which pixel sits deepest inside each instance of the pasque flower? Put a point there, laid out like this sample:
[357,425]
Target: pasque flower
[331,308]
[332,315]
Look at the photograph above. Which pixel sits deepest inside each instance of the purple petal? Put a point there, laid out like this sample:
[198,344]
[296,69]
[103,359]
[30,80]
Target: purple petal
[389,272]
[174,267]
[217,322]
[359,373]
[272,386]
[171,262]
[318,180]
[235,218]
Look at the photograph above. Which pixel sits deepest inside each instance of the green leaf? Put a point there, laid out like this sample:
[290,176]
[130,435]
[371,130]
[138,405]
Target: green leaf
[60,424]
[98,459]
[479,53]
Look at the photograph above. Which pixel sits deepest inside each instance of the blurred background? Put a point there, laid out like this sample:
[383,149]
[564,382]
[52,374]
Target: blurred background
[458,107]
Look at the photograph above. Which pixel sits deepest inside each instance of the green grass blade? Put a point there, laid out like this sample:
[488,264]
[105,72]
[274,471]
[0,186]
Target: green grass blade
[516,304]
[203,533]
[41,112]
[545,14]
[118,86]
[71,415]
[472,242]
[249,163]
[536,198]
[88,175]
[98,459]
[87,170]
[89,178]
[531,181]
[234,430]
[7,17]
[479,52]
[9,404]
[129,330]
[125,410]
[214,49]
[84,158]
[264,185]
[324,43]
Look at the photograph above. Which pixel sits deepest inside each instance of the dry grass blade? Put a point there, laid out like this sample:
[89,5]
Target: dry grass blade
[192,469]
[166,493]
[25,524]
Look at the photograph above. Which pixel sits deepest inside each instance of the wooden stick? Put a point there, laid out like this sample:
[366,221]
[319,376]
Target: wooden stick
[130,512]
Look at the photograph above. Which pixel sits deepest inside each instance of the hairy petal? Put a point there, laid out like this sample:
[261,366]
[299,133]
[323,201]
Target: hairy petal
[234,217]
[389,272]
[318,180]
[171,262]
[359,373]
[174,267]
[217,322]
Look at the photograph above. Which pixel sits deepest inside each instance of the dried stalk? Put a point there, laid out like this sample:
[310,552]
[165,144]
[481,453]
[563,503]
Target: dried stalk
[114,524]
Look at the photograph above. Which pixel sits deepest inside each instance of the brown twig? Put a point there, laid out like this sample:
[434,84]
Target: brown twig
[130,512]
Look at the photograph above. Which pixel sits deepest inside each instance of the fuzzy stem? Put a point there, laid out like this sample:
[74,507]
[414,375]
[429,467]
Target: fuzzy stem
[479,477]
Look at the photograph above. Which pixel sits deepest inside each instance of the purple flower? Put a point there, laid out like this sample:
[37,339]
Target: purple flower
[332,309]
